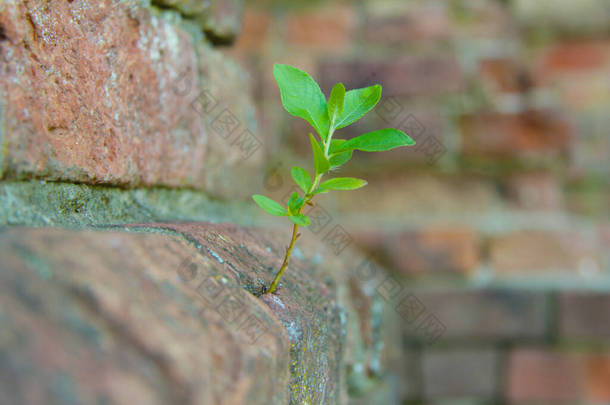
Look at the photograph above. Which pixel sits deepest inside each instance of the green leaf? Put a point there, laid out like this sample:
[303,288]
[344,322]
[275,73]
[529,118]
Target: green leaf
[378,141]
[295,202]
[321,164]
[302,97]
[269,205]
[301,177]
[335,102]
[338,158]
[357,103]
[300,219]
[341,183]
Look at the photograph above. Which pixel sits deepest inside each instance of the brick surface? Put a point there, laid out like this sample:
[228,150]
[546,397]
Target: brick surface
[488,314]
[460,374]
[126,315]
[113,316]
[523,252]
[542,375]
[514,135]
[575,57]
[328,27]
[428,75]
[584,316]
[408,23]
[421,194]
[539,191]
[435,250]
[255,30]
[59,59]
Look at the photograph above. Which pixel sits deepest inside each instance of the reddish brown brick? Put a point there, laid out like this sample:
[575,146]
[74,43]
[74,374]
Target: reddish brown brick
[538,375]
[524,252]
[429,251]
[327,27]
[488,314]
[116,98]
[505,75]
[460,374]
[511,135]
[543,375]
[584,315]
[575,57]
[255,29]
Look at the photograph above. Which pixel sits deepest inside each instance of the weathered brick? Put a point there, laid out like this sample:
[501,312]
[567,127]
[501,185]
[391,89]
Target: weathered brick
[255,30]
[460,374]
[574,57]
[434,250]
[514,135]
[114,316]
[417,76]
[327,27]
[488,314]
[522,252]
[410,22]
[180,322]
[145,129]
[547,376]
[584,315]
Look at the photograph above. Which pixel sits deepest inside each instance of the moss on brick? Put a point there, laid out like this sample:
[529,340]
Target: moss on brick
[69,205]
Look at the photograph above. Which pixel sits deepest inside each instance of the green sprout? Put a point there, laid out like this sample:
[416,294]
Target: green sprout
[302,97]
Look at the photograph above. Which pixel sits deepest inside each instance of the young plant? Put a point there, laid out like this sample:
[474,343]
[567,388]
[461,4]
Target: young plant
[302,97]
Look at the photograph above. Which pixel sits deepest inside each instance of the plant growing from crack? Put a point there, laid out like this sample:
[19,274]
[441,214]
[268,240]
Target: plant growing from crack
[302,97]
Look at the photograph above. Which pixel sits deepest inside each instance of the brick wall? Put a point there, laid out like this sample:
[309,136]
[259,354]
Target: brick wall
[498,220]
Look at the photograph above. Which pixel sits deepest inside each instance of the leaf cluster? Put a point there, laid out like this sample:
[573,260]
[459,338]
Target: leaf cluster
[303,98]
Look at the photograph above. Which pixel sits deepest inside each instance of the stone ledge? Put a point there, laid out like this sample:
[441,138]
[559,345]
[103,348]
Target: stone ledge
[70,205]
[177,320]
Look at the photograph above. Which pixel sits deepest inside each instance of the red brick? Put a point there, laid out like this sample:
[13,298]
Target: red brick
[535,191]
[490,314]
[513,135]
[174,319]
[460,374]
[417,76]
[584,315]
[542,375]
[328,27]
[535,375]
[575,57]
[437,250]
[418,22]
[523,252]
[114,107]
[255,29]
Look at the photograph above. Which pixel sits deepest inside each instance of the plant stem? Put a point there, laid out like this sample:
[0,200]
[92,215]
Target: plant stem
[295,236]
[276,280]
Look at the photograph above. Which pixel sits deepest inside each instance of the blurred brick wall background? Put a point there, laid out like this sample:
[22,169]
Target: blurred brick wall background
[498,220]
